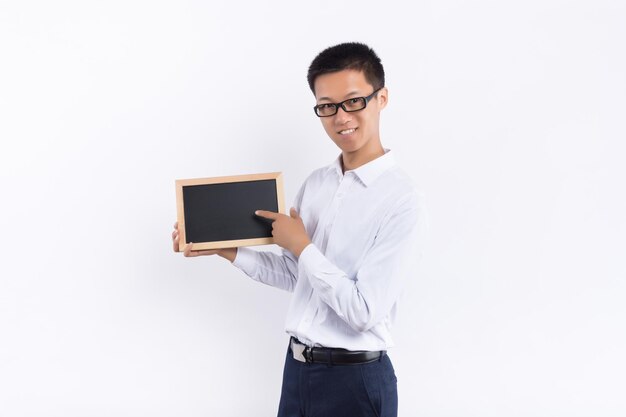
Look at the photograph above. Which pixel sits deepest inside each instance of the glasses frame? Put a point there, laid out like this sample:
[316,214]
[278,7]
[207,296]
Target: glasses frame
[342,104]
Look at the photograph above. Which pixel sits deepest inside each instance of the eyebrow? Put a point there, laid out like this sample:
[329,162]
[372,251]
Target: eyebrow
[345,97]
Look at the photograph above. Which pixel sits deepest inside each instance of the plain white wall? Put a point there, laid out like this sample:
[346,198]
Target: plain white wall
[509,115]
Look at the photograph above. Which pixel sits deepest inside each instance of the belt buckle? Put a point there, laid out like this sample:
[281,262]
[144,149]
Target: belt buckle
[298,351]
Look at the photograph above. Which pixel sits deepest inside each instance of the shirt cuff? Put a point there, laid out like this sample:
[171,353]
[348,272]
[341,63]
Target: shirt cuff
[246,260]
[321,273]
[311,258]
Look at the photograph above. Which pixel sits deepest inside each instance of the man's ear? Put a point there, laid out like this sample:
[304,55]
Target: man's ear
[382,97]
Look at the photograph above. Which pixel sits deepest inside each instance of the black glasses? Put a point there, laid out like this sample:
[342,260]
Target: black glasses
[349,105]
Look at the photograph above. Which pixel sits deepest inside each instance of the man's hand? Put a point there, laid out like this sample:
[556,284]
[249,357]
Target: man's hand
[288,231]
[228,253]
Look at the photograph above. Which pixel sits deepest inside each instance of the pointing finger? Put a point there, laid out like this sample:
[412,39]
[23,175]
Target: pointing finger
[267,214]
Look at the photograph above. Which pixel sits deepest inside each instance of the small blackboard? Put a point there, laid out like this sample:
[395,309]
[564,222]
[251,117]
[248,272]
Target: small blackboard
[218,212]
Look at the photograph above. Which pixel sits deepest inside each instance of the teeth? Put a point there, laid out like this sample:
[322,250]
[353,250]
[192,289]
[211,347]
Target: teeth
[347,131]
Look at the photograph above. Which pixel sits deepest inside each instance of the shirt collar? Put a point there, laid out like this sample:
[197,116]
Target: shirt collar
[369,172]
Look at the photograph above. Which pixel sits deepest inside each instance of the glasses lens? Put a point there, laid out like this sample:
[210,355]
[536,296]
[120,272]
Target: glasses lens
[325,110]
[354,104]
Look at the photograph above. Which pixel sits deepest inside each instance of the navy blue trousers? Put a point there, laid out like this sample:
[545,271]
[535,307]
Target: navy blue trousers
[319,390]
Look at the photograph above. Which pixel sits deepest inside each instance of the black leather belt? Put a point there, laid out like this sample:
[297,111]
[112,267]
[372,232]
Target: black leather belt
[332,356]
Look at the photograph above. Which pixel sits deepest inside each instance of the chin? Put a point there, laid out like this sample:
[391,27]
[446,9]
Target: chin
[345,144]
[350,149]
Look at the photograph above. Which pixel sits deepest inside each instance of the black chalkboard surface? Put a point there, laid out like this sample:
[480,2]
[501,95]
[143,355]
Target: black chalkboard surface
[218,212]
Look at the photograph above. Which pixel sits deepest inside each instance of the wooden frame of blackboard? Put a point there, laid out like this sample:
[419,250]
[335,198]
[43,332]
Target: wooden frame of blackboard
[230,243]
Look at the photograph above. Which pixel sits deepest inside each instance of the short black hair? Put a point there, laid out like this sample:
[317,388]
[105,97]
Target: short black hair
[350,55]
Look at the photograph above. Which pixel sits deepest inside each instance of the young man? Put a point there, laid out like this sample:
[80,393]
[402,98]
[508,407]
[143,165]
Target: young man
[349,245]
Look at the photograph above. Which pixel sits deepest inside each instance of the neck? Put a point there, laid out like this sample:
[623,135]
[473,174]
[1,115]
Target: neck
[353,160]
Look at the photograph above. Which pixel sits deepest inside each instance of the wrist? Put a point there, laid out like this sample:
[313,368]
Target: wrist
[300,247]
[228,253]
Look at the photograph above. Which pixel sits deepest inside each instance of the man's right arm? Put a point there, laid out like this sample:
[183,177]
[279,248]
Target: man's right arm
[278,271]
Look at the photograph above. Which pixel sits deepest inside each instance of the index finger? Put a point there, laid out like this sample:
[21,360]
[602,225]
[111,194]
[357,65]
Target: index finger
[267,214]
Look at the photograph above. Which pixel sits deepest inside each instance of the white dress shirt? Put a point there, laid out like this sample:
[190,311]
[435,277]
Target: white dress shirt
[366,228]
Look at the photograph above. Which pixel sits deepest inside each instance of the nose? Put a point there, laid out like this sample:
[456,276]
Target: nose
[342,117]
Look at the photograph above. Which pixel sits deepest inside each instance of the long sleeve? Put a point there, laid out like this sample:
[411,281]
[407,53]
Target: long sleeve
[365,300]
[269,268]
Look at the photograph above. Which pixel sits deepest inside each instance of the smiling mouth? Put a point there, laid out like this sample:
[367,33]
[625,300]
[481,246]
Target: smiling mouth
[347,131]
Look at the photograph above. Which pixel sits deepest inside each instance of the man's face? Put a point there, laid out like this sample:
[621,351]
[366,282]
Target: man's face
[351,131]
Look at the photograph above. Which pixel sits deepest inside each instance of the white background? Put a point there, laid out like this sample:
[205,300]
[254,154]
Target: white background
[509,115]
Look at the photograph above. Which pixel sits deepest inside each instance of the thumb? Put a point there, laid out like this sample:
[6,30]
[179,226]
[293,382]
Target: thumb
[294,214]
